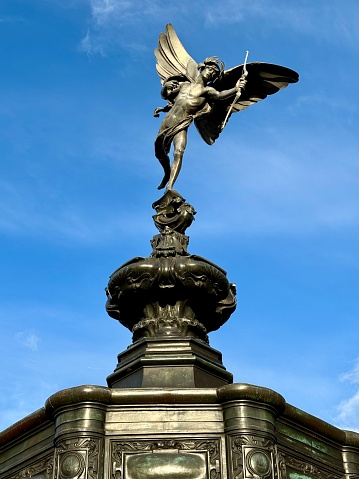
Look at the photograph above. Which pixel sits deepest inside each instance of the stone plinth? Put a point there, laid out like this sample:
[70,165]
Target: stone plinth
[172,362]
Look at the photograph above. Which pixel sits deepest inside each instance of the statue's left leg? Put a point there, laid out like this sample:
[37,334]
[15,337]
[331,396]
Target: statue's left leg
[179,145]
[165,162]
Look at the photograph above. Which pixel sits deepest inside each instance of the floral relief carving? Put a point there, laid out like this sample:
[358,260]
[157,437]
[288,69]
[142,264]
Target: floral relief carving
[253,457]
[77,459]
[44,466]
[309,469]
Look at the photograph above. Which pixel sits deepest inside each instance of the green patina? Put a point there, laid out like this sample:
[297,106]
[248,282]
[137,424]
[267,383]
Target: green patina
[292,434]
[298,475]
[171,465]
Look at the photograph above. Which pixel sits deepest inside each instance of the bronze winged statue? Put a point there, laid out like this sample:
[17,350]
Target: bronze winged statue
[205,93]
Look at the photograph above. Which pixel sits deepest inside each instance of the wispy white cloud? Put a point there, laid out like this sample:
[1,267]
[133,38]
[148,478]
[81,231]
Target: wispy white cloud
[104,11]
[22,399]
[348,409]
[110,17]
[29,378]
[351,376]
[234,11]
[78,226]
[24,213]
[90,46]
[276,193]
[283,188]
[337,22]
[29,339]
[323,103]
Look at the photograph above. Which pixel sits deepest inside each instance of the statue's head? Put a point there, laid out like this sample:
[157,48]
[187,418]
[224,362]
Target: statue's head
[211,68]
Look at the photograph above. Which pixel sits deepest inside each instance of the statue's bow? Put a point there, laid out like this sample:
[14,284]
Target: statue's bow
[238,94]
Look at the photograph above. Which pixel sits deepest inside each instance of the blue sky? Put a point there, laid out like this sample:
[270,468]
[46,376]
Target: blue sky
[276,195]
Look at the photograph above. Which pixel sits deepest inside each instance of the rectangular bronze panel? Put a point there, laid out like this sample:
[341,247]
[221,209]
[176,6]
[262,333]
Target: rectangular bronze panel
[167,458]
[166,464]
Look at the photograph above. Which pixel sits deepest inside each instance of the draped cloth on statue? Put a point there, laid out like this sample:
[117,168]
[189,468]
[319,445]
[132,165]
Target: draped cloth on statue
[164,138]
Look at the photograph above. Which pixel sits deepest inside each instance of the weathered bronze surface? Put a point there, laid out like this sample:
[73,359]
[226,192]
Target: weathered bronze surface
[205,93]
[170,301]
[170,411]
[237,431]
[173,212]
[169,363]
[170,463]
[171,293]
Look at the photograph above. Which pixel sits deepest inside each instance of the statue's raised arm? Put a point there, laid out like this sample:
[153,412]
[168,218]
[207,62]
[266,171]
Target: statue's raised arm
[205,93]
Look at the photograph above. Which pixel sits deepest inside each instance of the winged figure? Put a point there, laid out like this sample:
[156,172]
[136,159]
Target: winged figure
[205,94]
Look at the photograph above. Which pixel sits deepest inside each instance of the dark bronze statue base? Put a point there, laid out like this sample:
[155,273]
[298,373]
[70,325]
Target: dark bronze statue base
[170,301]
[169,363]
[170,294]
[237,431]
[171,410]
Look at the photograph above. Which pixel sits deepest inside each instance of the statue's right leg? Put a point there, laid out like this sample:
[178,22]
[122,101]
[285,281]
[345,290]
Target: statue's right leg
[179,144]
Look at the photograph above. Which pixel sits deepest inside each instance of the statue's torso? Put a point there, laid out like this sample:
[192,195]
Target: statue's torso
[190,98]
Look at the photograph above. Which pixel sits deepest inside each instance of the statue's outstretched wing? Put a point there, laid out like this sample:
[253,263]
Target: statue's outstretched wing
[172,58]
[263,79]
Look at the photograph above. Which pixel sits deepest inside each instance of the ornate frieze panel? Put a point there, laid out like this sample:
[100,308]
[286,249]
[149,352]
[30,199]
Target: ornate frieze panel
[42,469]
[77,459]
[290,466]
[252,457]
[172,459]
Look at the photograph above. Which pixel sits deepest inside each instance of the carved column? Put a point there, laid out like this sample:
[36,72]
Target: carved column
[79,432]
[249,414]
[78,458]
[351,455]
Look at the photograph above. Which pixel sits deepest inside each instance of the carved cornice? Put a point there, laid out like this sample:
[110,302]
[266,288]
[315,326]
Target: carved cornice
[105,396]
[38,419]
[314,424]
[249,392]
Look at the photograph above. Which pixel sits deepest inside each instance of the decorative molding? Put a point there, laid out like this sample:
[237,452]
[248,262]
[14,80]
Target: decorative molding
[253,457]
[251,440]
[172,212]
[77,459]
[45,466]
[211,448]
[304,467]
[282,470]
[171,293]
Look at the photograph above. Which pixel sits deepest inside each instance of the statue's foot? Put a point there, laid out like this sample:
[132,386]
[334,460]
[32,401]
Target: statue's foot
[163,182]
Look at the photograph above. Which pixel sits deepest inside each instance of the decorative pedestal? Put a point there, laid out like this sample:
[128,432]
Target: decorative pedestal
[169,363]
[236,431]
[170,411]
